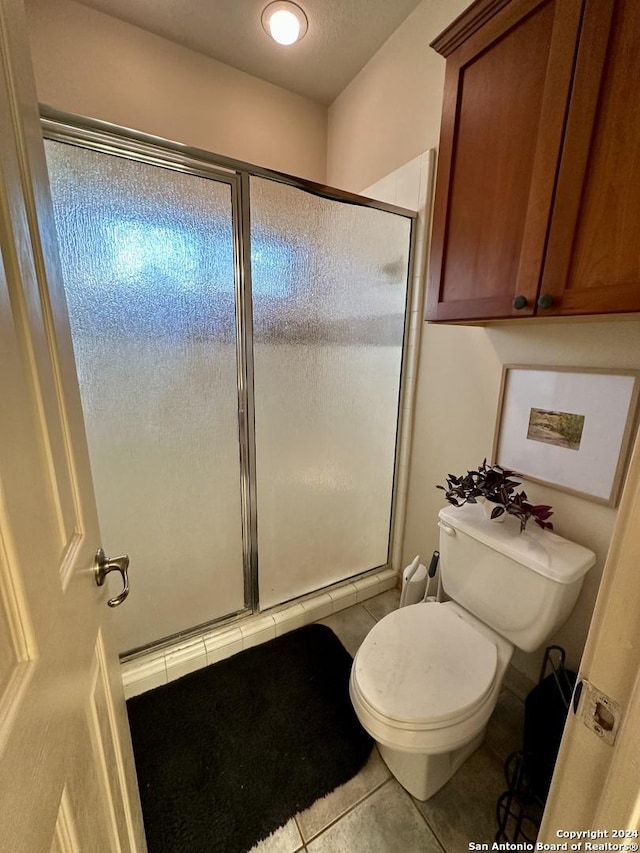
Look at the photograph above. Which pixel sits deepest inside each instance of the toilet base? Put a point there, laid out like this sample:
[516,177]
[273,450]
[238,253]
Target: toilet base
[421,774]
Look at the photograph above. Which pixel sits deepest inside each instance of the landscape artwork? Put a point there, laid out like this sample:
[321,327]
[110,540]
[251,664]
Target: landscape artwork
[562,429]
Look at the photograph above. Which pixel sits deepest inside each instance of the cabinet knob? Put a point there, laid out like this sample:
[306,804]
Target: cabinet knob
[520,302]
[545,301]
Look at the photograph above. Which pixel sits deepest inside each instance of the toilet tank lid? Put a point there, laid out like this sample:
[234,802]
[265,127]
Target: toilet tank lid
[539,550]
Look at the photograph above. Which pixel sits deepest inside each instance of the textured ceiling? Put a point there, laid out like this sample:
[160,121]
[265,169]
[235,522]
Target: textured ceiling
[342,36]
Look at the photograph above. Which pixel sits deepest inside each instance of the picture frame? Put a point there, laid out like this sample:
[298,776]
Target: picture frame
[567,427]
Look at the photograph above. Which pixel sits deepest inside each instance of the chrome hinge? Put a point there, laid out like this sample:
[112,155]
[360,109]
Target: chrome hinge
[598,712]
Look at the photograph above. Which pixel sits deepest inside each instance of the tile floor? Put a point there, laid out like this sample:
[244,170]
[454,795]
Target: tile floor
[372,813]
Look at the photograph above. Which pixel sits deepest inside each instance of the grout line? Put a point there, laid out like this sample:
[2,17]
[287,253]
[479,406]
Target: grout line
[364,604]
[513,693]
[500,759]
[349,810]
[429,827]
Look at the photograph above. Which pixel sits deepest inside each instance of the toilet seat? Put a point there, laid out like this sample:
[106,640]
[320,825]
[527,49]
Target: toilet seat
[423,667]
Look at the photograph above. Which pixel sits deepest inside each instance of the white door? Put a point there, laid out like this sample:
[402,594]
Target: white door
[67,779]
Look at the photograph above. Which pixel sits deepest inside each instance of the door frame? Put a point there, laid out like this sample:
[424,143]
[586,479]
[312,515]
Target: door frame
[596,784]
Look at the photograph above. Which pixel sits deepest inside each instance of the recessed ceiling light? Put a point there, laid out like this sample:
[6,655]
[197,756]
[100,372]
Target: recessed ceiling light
[285,22]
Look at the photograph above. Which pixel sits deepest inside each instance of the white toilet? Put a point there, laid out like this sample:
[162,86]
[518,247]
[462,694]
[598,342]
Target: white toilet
[427,677]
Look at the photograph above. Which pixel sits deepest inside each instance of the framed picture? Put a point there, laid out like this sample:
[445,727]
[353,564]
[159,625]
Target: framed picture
[570,428]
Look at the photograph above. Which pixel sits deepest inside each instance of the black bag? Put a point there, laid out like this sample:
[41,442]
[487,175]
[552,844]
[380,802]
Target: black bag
[545,713]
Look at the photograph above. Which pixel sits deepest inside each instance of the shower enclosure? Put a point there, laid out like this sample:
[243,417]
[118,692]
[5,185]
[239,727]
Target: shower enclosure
[238,338]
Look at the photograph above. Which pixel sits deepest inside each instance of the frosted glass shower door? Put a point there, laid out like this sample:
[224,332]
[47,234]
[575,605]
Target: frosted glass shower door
[329,290]
[148,267]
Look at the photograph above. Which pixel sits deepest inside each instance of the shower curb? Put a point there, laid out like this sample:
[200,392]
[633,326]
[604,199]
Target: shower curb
[156,668]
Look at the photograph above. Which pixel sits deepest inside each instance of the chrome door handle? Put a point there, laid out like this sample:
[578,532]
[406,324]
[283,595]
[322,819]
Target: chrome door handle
[103,565]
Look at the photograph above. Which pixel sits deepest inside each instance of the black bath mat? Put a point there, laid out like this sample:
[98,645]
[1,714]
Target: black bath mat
[229,753]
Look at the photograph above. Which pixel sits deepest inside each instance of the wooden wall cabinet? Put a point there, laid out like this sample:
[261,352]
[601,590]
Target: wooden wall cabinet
[537,207]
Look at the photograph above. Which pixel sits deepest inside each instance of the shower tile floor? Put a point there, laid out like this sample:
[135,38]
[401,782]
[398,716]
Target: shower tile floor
[372,813]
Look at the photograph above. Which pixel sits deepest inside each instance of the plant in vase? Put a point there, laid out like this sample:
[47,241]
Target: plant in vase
[496,485]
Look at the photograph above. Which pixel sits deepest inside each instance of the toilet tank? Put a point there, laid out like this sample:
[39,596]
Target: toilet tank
[523,585]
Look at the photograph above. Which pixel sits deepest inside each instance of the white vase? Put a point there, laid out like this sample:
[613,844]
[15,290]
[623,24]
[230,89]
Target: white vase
[488,507]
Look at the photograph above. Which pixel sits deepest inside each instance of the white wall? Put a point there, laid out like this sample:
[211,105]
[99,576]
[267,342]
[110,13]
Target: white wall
[94,65]
[388,114]
[458,384]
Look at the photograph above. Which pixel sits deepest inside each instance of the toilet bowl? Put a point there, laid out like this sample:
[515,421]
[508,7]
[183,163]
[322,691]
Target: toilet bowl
[424,684]
[426,679]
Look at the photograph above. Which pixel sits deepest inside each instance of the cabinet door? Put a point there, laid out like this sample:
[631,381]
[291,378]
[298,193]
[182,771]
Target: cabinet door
[593,259]
[506,94]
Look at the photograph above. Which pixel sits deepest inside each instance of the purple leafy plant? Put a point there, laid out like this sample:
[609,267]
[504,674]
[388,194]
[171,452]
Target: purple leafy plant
[496,485]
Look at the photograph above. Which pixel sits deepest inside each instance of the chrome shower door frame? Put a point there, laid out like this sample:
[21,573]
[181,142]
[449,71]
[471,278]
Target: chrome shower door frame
[133,145]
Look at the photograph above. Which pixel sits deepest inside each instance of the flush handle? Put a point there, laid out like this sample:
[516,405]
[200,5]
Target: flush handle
[103,565]
[450,531]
